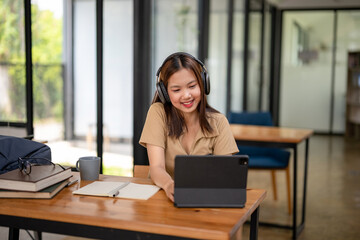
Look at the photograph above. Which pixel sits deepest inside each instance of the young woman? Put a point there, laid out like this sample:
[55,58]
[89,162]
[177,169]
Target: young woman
[180,121]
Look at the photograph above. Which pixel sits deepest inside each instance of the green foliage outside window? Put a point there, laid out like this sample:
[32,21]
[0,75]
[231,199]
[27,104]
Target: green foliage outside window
[46,57]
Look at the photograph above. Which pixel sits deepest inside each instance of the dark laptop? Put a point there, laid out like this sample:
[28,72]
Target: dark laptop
[210,181]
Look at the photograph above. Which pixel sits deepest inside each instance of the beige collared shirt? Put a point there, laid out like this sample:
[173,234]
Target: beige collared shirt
[220,142]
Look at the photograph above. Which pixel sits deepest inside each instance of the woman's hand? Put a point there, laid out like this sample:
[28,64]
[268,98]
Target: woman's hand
[169,190]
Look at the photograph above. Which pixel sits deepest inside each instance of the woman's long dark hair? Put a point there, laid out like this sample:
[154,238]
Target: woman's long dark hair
[175,119]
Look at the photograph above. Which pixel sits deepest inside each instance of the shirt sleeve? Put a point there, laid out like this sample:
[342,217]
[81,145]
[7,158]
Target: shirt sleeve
[225,142]
[154,130]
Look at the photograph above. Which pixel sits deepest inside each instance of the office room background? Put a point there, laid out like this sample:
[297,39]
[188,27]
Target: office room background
[80,74]
[94,63]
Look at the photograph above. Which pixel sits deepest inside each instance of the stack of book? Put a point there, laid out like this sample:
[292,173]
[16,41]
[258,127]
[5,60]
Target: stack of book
[44,181]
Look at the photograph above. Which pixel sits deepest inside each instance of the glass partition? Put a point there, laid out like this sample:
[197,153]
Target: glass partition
[313,91]
[305,92]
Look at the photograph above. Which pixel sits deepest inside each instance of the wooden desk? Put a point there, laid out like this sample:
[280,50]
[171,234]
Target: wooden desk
[114,218]
[282,138]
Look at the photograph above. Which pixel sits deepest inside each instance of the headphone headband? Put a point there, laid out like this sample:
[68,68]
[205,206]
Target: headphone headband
[180,53]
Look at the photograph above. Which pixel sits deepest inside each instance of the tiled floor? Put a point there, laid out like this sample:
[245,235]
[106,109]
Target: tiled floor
[333,193]
[333,196]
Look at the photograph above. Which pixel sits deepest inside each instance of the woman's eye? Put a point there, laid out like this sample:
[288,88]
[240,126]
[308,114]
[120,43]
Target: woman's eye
[193,86]
[176,90]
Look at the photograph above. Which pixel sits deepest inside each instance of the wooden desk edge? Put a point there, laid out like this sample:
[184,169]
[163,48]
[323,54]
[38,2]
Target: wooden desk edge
[240,132]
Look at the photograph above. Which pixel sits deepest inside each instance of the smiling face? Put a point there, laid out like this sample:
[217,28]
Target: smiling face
[184,91]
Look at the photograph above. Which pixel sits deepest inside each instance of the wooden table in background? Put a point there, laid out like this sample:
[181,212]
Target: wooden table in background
[262,136]
[115,218]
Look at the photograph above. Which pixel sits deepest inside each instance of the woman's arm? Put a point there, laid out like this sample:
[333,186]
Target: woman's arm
[158,172]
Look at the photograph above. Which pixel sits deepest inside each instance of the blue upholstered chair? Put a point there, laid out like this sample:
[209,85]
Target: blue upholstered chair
[263,157]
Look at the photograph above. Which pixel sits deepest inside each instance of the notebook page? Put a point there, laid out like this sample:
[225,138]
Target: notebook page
[98,188]
[138,191]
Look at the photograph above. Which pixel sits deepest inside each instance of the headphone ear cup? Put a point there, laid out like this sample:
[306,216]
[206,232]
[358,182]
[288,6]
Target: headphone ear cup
[163,95]
[206,81]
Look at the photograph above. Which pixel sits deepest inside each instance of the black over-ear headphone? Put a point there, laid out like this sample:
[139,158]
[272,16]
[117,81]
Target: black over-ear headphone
[160,87]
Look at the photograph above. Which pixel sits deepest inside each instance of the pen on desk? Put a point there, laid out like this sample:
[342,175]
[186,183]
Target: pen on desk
[116,191]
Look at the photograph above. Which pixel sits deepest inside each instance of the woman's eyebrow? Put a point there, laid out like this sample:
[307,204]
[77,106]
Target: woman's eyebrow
[192,82]
[174,86]
[178,86]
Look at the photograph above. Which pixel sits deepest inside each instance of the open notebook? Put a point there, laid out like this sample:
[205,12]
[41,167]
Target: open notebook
[118,189]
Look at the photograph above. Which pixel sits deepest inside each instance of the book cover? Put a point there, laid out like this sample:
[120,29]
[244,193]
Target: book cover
[41,176]
[46,193]
[118,189]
